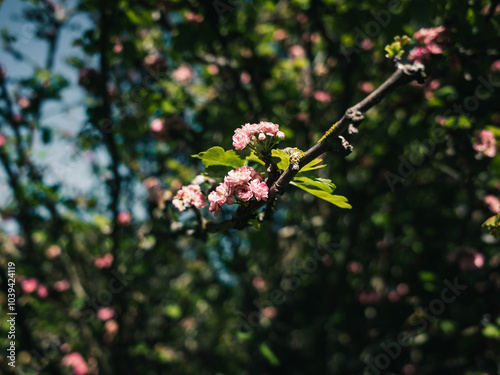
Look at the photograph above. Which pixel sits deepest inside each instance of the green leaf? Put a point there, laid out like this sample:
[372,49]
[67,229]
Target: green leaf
[337,200]
[268,353]
[284,158]
[217,156]
[313,165]
[173,311]
[491,331]
[319,183]
[255,223]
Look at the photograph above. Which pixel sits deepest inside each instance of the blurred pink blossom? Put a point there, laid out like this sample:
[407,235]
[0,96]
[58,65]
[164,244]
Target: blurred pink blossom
[29,285]
[182,74]
[61,285]
[485,144]
[366,87]
[105,313]
[52,251]
[104,262]
[23,102]
[354,267]
[495,67]
[157,125]
[270,312]
[3,140]
[280,35]
[193,17]
[367,298]
[393,296]
[366,44]
[296,51]
[42,291]
[493,203]
[467,258]
[402,289]
[124,218]
[76,361]
[429,42]
[213,69]
[322,96]
[258,282]
[245,77]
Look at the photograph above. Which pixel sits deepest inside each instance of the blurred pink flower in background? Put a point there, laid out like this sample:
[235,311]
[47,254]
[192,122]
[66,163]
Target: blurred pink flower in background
[485,144]
[157,125]
[402,289]
[61,285]
[493,203]
[76,361]
[429,42]
[110,330]
[296,51]
[467,258]
[495,67]
[52,251]
[354,267]
[29,285]
[258,282]
[193,17]
[366,87]
[104,262]
[182,74]
[105,313]
[366,44]
[213,69]
[23,102]
[367,298]
[42,291]
[280,35]
[245,78]
[3,140]
[124,218]
[322,96]
[270,312]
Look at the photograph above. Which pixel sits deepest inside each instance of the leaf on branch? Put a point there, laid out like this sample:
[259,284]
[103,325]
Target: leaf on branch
[316,182]
[283,159]
[322,192]
[313,165]
[218,156]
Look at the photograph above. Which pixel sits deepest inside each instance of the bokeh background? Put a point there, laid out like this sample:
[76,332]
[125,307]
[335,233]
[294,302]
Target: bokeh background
[103,103]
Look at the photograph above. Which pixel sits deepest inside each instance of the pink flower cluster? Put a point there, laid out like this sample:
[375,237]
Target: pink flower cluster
[243,184]
[250,134]
[493,203]
[430,42]
[485,144]
[105,261]
[188,196]
[76,361]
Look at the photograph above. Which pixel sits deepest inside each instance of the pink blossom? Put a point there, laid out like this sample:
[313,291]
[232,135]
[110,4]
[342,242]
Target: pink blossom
[29,285]
[322,96]
[212,69]
[495,67]
[111,327]
[61,285]
[393,296]
[3,140]
[216,200]
[52,251]
[42,291]
[493,203]
[270,312]
[226,190]
[157,125]
[402,289]
[104,262]
[105,313]
[296,51]
[117,48]
[258,282]
[366,87]
[367,298]
[193,17]
[467,258]
[485,144]
[153,184]
[243,192]
[240,175]
[429,42]
[354,267]
[188,196]
[182,74]
[76,361]
[124,218]
[240,139]
[155,60]
[279,35]
[23,102]
[366,44]
[259,189]
[245,78]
